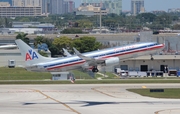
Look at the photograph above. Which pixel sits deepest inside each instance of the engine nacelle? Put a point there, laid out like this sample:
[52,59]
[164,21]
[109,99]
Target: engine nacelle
[112,61]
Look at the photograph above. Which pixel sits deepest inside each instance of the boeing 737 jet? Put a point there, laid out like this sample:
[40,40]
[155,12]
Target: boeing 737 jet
[105,57]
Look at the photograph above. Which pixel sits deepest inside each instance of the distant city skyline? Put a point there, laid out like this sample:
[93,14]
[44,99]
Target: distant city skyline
[150,5]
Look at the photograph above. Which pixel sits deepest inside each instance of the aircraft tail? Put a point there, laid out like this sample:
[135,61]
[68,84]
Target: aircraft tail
[30,56]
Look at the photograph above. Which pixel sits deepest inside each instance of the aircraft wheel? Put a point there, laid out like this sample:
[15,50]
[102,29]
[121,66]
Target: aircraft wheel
[152,58]
[95,70]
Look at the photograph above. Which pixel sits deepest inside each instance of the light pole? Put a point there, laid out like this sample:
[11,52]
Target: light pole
[100,17]
[142,23]
[164,23]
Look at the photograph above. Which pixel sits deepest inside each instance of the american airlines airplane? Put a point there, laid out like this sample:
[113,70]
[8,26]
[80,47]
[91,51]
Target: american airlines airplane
[105,57]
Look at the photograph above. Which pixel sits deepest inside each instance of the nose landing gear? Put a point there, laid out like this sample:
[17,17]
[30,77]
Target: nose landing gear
[152,58]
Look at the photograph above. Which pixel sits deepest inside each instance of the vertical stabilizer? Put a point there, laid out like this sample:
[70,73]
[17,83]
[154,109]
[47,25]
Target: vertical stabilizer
[30,56]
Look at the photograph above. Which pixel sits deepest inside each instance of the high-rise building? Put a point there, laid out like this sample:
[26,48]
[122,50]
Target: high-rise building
[20,8]
[26,3]
[10,1]
[19,11]
[4,4]
[69,6]
[56,6]
[95,3]
[17,3]
[45,6]
[31,3]
[137,6]
[113,6]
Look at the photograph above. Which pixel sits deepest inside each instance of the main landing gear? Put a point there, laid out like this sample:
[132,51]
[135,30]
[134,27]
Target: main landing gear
[95,69]
[152,57]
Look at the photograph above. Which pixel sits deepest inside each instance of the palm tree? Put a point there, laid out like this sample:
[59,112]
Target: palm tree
[38,40]
[23,37]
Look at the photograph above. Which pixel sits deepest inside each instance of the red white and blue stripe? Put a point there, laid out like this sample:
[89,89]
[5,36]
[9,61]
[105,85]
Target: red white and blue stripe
[103,54]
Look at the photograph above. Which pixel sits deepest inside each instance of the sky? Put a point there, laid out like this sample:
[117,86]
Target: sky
[150,5]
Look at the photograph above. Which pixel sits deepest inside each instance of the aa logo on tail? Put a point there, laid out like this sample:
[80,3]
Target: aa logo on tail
[31,55]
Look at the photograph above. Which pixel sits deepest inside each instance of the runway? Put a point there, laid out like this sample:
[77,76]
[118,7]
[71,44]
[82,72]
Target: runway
[84,99]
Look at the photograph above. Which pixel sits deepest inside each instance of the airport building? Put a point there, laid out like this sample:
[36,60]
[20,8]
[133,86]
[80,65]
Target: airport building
[29,27]
[44,26]
[144,63]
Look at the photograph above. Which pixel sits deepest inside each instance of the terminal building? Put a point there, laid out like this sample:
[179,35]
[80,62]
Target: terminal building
[29,27]
[45,26]
[144,63]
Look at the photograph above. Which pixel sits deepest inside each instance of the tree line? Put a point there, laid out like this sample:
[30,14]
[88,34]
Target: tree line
[83,44]
[80,22]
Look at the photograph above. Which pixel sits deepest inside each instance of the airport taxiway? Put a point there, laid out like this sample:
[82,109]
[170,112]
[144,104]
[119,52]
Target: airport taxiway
[84,99]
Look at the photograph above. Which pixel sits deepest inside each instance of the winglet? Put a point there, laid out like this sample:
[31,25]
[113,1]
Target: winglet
[82,56]
[76,51]
[67,53]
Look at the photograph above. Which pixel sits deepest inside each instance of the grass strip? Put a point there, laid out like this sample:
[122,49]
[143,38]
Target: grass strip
[168,93]
[89,81]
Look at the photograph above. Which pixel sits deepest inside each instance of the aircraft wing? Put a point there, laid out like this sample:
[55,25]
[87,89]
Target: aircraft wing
[90,60]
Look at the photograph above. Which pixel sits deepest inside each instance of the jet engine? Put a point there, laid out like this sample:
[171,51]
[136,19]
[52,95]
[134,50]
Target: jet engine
[112,61]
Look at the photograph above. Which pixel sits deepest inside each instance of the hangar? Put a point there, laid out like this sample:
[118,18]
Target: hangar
[144,63]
